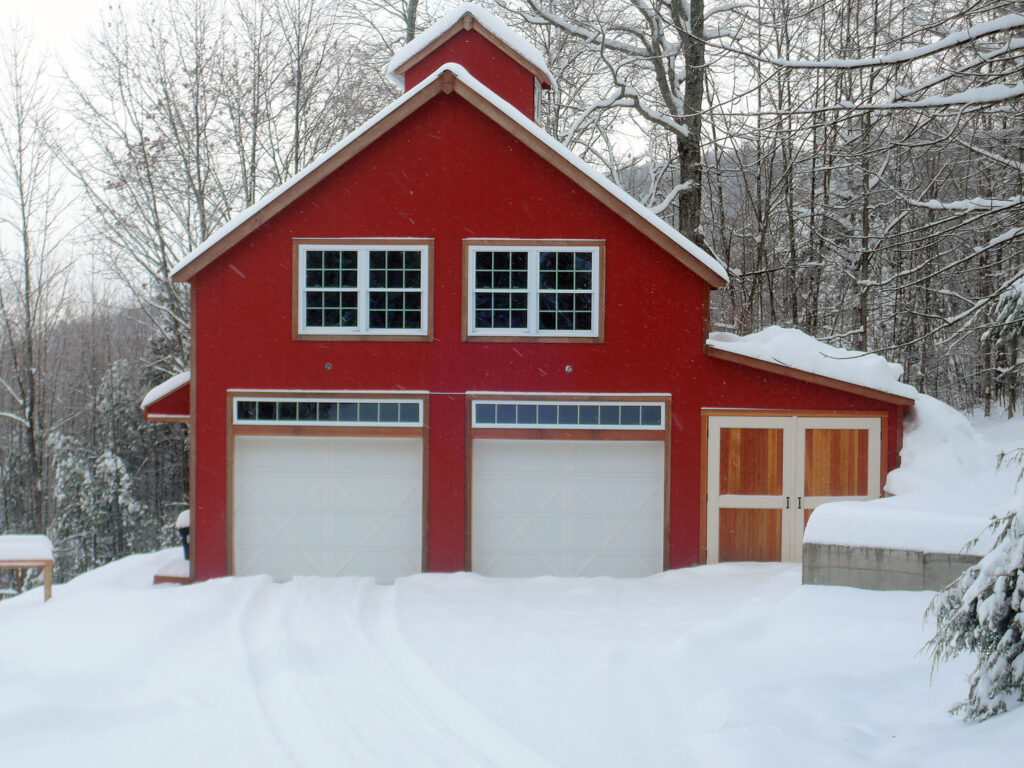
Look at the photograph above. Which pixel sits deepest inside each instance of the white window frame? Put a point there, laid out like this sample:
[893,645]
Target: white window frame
[363,289]
[236,420]
[533,250]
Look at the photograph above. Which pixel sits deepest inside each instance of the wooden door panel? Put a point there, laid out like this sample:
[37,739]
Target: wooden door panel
[751,462]
[767,473]
[750,534]
[836,462]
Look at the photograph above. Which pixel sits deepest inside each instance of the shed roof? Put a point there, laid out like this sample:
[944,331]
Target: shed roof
[791,352]
[160,403]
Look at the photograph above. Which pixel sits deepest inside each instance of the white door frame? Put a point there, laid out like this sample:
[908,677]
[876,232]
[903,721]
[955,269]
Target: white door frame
[792,500]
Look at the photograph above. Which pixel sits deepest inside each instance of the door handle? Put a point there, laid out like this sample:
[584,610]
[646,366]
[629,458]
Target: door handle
[787,502]
[799,502]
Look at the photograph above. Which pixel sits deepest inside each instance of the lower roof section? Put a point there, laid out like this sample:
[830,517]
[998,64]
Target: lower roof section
[169,401]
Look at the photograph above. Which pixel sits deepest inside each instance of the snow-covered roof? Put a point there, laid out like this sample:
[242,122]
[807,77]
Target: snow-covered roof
[19,546]
[792,348]
[295,183]
[495,26]
[164,389]
[184,519]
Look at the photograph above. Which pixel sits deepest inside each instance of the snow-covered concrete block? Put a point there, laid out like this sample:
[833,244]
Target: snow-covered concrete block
[881,568]
[942,568]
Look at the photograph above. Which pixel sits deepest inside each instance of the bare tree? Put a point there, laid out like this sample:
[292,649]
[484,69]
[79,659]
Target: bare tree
[34,277]
[653,56]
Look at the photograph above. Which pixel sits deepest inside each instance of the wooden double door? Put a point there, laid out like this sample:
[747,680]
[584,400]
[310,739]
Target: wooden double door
[767,473]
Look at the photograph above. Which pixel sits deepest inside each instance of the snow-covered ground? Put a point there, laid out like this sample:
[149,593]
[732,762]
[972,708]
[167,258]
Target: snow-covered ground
[725,665]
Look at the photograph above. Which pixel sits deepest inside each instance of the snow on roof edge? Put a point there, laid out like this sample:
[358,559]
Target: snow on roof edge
[244,215]
[509,111]
[795,349]
[165,388]
[488,20]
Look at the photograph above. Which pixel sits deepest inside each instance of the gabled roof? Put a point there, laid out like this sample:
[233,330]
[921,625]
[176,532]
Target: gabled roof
[453,78]
[464,17]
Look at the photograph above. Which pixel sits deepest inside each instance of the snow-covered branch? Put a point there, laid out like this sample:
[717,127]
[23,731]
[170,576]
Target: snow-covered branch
[1007,23]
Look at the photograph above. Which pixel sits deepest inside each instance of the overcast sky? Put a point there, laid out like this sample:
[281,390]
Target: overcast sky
[58,25]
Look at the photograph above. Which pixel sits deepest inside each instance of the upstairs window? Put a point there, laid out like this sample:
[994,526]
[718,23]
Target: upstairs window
[534,290]
[349,288]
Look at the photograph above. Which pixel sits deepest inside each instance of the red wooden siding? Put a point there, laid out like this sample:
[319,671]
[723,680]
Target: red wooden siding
[484,61]
[449,173]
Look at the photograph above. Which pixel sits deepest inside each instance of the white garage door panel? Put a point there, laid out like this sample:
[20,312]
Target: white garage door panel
[568,507]
[328,506]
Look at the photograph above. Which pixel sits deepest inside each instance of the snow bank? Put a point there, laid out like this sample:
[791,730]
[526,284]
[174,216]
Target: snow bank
[918,522]
[945,491]
[25,547]
[795,349]
[941,450]
[165,388]
[487,20]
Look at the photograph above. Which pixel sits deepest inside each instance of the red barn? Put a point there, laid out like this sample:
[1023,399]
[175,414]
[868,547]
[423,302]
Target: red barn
[451,344]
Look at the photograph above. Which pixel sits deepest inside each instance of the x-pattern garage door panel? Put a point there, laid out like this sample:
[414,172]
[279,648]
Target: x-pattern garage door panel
[328,506]
[567,508]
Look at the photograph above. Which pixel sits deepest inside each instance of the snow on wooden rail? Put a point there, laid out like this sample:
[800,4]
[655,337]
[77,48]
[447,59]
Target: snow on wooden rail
[21,551]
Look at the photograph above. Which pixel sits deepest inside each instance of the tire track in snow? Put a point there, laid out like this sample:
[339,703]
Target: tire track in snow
[256,619]
[339,686]
[450,709]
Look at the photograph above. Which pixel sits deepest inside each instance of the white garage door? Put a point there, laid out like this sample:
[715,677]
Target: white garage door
[328,506]
[568,507]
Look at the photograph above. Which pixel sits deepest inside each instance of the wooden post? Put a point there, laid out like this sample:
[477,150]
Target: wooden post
[20,566]
[48,581]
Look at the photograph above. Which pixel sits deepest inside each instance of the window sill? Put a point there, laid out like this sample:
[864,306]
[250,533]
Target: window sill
[308,336]
[506,339]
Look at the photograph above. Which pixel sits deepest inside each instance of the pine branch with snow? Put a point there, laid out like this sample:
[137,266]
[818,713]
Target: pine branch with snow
[981,613]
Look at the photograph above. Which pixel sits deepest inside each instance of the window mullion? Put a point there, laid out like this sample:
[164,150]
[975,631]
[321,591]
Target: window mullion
[363,289]
[424,299]
[533,291]
[303,287]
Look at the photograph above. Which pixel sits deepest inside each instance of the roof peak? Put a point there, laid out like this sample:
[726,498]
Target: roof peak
[467,16]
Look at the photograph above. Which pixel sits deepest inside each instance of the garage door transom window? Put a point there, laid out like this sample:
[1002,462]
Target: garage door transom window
[335,412]
[571,415]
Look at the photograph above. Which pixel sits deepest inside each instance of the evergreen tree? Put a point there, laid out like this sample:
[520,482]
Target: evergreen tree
[981,613]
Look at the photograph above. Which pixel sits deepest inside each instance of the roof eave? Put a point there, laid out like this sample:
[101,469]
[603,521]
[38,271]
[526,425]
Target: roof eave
[447,81]
[470,22]
[808,376]
[592,186]
[332,164]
